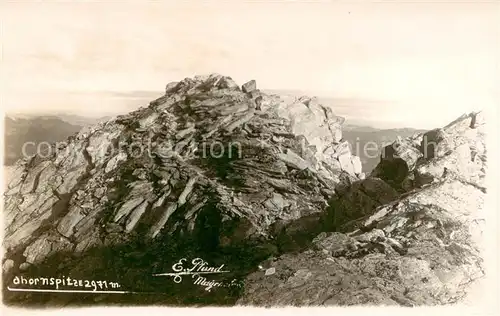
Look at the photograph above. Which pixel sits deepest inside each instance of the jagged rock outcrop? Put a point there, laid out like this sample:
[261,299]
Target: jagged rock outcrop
[458,147]
[208,161]
[422,247]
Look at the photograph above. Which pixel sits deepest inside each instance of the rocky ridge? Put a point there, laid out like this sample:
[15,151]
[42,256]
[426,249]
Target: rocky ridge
[209,162]
[247,179]
[421,247]
[457,148]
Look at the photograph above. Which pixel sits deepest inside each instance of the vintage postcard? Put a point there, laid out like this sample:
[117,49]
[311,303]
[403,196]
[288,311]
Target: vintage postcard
[247,153]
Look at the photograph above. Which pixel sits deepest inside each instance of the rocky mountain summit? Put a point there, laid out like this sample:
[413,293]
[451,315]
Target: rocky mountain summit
[209,165]
[245,179]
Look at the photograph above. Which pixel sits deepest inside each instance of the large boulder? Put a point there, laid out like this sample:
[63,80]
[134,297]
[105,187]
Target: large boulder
[398,160]
[357,200]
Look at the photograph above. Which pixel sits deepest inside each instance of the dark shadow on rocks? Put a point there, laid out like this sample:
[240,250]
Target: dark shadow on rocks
[132,265]
[394,172]
[357,200]
[297,235]
[218,161]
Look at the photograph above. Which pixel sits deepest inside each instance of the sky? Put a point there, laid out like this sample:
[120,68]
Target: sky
[418,64]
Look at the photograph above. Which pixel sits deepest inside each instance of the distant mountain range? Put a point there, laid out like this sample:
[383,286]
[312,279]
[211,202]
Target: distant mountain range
[73,119]
[367,142]
[22,129]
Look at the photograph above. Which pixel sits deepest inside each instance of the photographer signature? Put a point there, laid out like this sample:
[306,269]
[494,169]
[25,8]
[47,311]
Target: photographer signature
[197,268]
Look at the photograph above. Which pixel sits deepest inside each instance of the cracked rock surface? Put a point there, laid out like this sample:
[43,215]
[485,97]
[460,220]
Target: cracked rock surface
[422,247]
[263,184]
[207,163]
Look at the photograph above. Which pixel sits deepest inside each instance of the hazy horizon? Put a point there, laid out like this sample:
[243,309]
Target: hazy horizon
[352,110]
[424,63]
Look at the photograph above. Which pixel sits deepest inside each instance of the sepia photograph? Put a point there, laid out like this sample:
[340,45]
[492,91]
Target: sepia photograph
[248,153]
